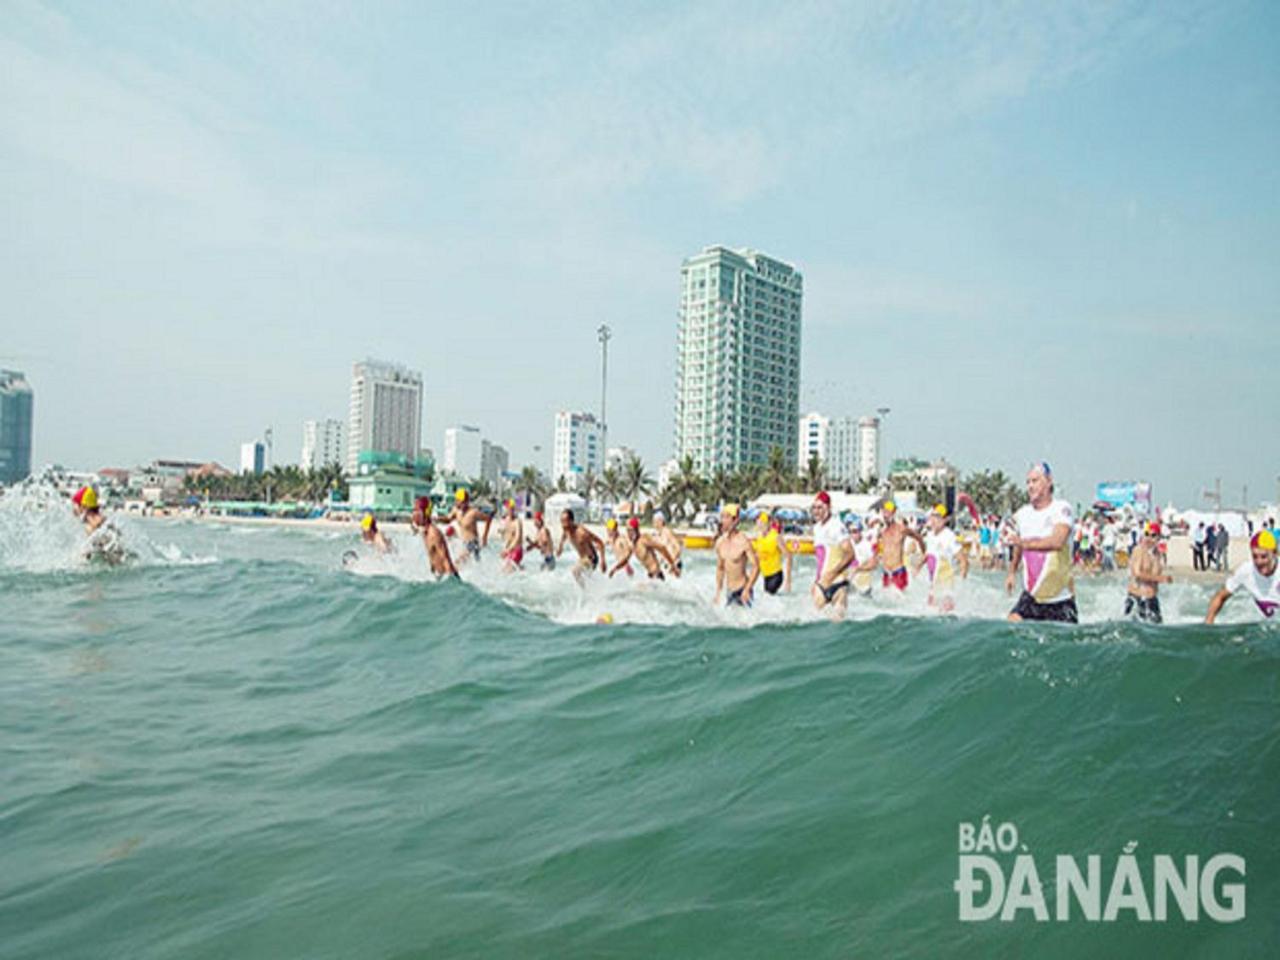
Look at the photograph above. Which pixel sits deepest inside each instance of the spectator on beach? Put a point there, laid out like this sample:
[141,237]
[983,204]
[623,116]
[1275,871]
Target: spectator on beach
[1210,546]
[1197,548]
[1223,545]
[1109,546]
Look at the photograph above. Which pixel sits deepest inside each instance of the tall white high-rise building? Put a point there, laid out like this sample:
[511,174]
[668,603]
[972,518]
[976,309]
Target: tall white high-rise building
[577,449]
[323,444]
[869,448]
[462,448]
[386,411]
[834,441]
[813,438]
[738,358]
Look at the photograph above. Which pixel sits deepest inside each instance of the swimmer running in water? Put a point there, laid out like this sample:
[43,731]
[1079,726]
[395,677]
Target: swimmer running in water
[893,536]
[620,546]
[512,538]
[864,558]
[541,540]
[433,541]
[371,535]
[736,564]
[467,515]
[590,547]
[85,504]
[1259,577]
[1142,601]
[942,554]
[774,552]
[647,550]
[667,537]
[833,553]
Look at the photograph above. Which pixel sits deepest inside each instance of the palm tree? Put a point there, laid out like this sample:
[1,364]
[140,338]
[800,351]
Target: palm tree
[635,482]
[533,484]
[481,489]
[815,475]
[685,488]
[869,485]
[611,484]
[721,488]
[776,475]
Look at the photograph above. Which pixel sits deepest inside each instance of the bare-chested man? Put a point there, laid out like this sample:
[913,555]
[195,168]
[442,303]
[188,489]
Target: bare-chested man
[467,515]
[647,550]
[1145,576]
[893,536]
[620,546]
[512,538]
[433,541]
[371,535]
[541,541]
[590,547]
[736,564]
[667,537]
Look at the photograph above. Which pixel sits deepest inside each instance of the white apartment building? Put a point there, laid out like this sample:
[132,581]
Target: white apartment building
[615,457]
[323,444]
[462,449]
[386,411]
[738,358]
[577,449]
[834,441]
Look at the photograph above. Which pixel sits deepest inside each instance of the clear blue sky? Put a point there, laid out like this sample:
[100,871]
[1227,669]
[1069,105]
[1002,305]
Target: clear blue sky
[1037,230]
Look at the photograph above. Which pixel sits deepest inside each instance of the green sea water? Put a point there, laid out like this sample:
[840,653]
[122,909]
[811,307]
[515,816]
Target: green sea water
[234,748]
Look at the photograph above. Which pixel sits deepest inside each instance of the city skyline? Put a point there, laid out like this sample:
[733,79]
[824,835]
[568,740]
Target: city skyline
[1031,233]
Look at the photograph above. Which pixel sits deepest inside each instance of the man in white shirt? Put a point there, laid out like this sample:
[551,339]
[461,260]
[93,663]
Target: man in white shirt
[1041,541]
[1258,576]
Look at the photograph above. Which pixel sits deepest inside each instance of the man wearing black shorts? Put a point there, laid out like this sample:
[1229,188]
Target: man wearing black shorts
[1041,541]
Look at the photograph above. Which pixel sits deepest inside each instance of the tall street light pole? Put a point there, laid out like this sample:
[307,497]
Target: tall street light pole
[604,334]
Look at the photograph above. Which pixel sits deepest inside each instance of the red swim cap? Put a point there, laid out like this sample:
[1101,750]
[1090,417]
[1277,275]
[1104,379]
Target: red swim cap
[634,523]
[823,497]
[538,515]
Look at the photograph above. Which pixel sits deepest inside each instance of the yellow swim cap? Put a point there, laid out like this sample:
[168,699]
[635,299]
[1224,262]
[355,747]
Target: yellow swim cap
[605,618]
[764,516]
[1264,540]
[460,495]
[732,509]
[90,498]
[366,522]
[611,524]
[889,507]
[940,510]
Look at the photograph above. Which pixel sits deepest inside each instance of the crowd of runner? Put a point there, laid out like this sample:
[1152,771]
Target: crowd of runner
[1040,548]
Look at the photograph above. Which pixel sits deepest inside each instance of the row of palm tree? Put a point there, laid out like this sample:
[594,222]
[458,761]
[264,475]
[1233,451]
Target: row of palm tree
[278,483]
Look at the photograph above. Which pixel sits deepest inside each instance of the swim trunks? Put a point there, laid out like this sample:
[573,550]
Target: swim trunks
[831,591]
[515,555]
[548,561]
[735,599]
[1061,611]
[773,582]
[896,578]
[473,548]
[1146,609]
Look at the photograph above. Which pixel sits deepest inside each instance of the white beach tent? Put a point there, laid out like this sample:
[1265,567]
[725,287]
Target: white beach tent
[565,501]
